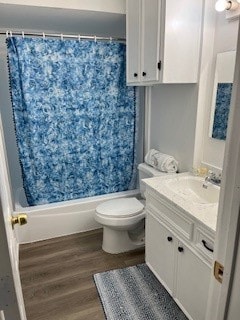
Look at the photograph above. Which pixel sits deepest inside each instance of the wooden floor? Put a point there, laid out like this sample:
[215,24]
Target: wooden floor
[57,274]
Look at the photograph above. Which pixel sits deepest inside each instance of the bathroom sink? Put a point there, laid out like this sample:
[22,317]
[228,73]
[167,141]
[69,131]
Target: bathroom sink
[194,189]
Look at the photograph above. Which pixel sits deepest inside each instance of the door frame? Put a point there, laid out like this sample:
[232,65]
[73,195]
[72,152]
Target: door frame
[9,305]
[11,297]
[228,224]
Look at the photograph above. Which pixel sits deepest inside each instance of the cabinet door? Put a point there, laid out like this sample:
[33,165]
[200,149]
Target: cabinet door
[192,283]
[160,251]
[133,40]
[151,10]
[181,42]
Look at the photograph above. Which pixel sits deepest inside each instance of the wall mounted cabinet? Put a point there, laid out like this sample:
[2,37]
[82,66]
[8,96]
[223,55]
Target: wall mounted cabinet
[163,41]
[178,251]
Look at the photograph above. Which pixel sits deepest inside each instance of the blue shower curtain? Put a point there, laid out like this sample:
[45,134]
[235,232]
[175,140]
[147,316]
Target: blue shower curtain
[75,118]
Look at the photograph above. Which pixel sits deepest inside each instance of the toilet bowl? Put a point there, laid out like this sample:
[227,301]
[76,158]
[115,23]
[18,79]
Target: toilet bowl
[123,219]
[120,219]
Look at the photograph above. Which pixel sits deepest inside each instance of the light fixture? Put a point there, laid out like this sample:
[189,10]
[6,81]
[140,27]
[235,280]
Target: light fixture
[222,5]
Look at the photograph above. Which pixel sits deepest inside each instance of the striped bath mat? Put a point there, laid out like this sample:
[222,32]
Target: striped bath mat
[134,293]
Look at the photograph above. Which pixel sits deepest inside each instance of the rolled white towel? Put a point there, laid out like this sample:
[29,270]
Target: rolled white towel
[161,161]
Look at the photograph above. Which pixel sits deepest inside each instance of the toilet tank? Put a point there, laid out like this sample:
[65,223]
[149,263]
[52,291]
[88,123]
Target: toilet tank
[144,172]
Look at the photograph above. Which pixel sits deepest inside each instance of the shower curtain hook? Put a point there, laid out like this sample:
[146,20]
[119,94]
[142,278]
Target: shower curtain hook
[95,38]
[79,37]
[43,35]
[7,34]
[110,39]
[61,36]
[23,34]
[10,33]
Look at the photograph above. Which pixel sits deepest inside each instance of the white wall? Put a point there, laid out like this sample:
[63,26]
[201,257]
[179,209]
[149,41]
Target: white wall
[116,6]
[66,21]
[220,35]
[172,123]
[225,40]
[176,110]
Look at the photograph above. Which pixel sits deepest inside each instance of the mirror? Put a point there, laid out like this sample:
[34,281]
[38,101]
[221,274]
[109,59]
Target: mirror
[222,91]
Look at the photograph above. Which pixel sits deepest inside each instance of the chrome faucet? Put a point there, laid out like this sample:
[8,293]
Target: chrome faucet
[212,178]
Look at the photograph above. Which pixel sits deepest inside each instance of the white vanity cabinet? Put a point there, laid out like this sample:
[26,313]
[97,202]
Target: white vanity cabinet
[163,41]
[177,256]
[192,283]
[160,251]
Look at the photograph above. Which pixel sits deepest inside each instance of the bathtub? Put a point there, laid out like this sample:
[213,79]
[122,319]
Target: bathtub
[60,218]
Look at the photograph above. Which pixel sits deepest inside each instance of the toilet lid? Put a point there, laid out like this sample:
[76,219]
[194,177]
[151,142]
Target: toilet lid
[125,207]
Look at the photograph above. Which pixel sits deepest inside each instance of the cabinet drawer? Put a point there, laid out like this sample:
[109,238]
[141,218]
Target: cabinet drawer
[204,244]
[177,221]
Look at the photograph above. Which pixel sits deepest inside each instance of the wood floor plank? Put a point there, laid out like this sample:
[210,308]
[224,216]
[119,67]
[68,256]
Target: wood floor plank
[57,276]
[53,246]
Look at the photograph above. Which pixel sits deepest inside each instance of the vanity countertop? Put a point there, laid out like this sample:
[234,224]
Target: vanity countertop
[206,213]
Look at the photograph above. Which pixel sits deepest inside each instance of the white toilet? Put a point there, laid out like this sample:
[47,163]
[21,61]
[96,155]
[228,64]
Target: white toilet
[123,218]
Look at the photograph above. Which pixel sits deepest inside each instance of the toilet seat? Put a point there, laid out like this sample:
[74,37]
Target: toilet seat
[120,208]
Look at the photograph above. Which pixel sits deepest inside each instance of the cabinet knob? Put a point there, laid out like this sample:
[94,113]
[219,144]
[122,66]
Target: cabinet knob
[144,74]
[169,239]
[135,75]
[180,249]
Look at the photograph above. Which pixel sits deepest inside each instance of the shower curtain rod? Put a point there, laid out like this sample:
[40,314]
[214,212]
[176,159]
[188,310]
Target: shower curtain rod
[61,35]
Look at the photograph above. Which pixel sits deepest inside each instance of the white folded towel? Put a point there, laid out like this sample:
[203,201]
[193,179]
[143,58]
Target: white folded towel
[161,161]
